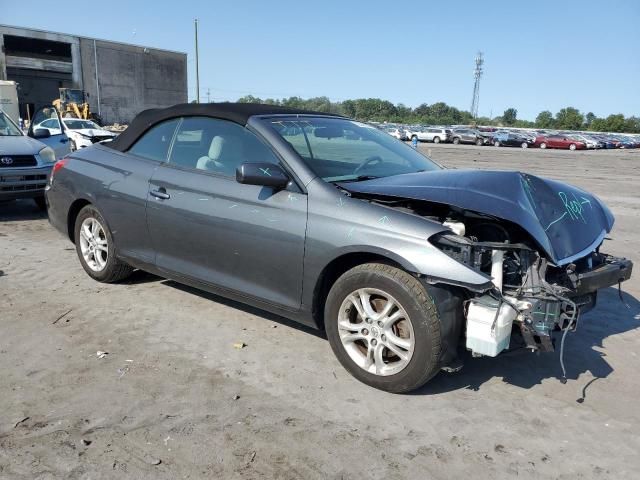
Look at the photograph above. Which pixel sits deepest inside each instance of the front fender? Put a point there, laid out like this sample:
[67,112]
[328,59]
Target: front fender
[339,225]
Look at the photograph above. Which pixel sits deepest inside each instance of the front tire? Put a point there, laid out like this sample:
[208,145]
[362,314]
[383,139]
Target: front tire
[436,140]
[524,145]
[95,247]
[496,143]
[479,142]
[572,146]
[384,328]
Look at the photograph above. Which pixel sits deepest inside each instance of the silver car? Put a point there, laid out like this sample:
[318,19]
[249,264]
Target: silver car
[25,163]
[334,224]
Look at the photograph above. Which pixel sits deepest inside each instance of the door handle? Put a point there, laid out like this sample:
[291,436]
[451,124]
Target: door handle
[160,194]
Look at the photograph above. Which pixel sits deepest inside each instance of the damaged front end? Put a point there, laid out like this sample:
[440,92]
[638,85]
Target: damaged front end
[537,241]
[528,292]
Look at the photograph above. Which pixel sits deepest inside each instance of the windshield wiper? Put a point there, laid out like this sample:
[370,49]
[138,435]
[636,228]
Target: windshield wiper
[360,178]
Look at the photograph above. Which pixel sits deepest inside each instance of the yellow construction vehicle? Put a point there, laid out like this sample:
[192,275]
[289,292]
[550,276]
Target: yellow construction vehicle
[73,103]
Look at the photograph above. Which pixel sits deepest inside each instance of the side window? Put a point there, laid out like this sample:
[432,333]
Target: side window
[155,143]
[217,146]
[45,115]
[51,124]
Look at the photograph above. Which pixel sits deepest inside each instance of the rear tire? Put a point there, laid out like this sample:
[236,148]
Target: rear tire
[496,143]
[543,145]
[524,145]
[456,141]
[479,142]
[96,249]
[436,140]
[393,355]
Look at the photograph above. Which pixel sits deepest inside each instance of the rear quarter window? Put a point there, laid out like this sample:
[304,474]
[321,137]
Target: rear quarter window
[154,143]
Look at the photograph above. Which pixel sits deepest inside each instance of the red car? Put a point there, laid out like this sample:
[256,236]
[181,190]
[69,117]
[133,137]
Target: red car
[559,141]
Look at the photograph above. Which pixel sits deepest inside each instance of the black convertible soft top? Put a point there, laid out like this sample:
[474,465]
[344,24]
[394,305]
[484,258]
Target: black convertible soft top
[235,112]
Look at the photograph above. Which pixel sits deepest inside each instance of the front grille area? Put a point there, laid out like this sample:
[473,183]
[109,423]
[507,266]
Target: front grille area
[8,161]
[22,183]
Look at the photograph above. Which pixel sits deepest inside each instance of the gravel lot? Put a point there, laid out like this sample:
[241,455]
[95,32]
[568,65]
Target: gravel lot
[173,398]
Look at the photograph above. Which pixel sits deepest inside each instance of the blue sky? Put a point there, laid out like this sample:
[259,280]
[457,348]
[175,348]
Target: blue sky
[539,55]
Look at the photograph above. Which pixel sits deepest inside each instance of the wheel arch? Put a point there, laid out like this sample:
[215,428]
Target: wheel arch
[341,264]
[72,215]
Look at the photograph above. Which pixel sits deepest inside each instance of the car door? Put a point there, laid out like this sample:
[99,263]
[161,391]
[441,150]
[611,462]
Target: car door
[553,141]
[122,189]
[52,137]
[205,226]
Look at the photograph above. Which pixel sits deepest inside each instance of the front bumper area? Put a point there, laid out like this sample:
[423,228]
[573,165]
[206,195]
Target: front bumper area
[23,182]
[576,296]
[611,272]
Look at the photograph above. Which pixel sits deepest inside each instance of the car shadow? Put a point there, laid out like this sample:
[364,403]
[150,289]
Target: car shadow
[245,308]
[584,352]
[24,209]
[584,349]
[139,277]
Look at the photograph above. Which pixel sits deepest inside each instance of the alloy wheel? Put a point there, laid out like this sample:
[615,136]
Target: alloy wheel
[376,331]
[93,244]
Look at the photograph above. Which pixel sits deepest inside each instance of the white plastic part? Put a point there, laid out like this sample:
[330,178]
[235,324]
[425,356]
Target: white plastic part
[483,337]
[456,227]
[497,258]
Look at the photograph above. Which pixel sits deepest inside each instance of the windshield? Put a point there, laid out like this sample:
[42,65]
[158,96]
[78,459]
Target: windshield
[75,124]
[7,127]
[72,95]
[338,149]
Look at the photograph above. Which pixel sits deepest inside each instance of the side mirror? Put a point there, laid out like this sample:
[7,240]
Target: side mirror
[41,133]
[263,174]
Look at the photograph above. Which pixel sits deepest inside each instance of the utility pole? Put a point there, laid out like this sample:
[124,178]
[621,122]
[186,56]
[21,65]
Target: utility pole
[208,95]
[477,73]
[197,66]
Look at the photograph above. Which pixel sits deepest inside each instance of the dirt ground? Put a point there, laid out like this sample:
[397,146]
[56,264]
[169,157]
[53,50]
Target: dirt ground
[174,399]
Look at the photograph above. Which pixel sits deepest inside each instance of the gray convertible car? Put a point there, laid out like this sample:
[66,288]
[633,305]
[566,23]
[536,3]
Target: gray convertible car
[335,224]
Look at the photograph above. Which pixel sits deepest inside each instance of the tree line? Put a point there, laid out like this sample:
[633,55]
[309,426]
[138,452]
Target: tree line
[377,110]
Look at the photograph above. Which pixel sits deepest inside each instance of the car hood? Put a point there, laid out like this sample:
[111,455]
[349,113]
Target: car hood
[565,221]
[19,145]
[93,132]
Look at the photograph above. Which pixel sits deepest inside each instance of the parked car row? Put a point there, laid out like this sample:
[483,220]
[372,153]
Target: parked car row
[503,137]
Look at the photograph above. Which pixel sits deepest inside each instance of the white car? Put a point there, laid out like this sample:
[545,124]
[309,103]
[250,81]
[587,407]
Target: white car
[434,134]
[590,142]
[82,133]
[396,132]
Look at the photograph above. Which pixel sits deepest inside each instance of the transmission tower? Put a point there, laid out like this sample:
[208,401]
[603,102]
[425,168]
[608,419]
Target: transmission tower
[477,73]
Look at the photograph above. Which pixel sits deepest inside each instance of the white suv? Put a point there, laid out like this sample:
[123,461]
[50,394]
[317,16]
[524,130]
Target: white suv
[433,134]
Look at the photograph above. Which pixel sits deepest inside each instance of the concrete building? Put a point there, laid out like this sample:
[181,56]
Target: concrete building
[120,79]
